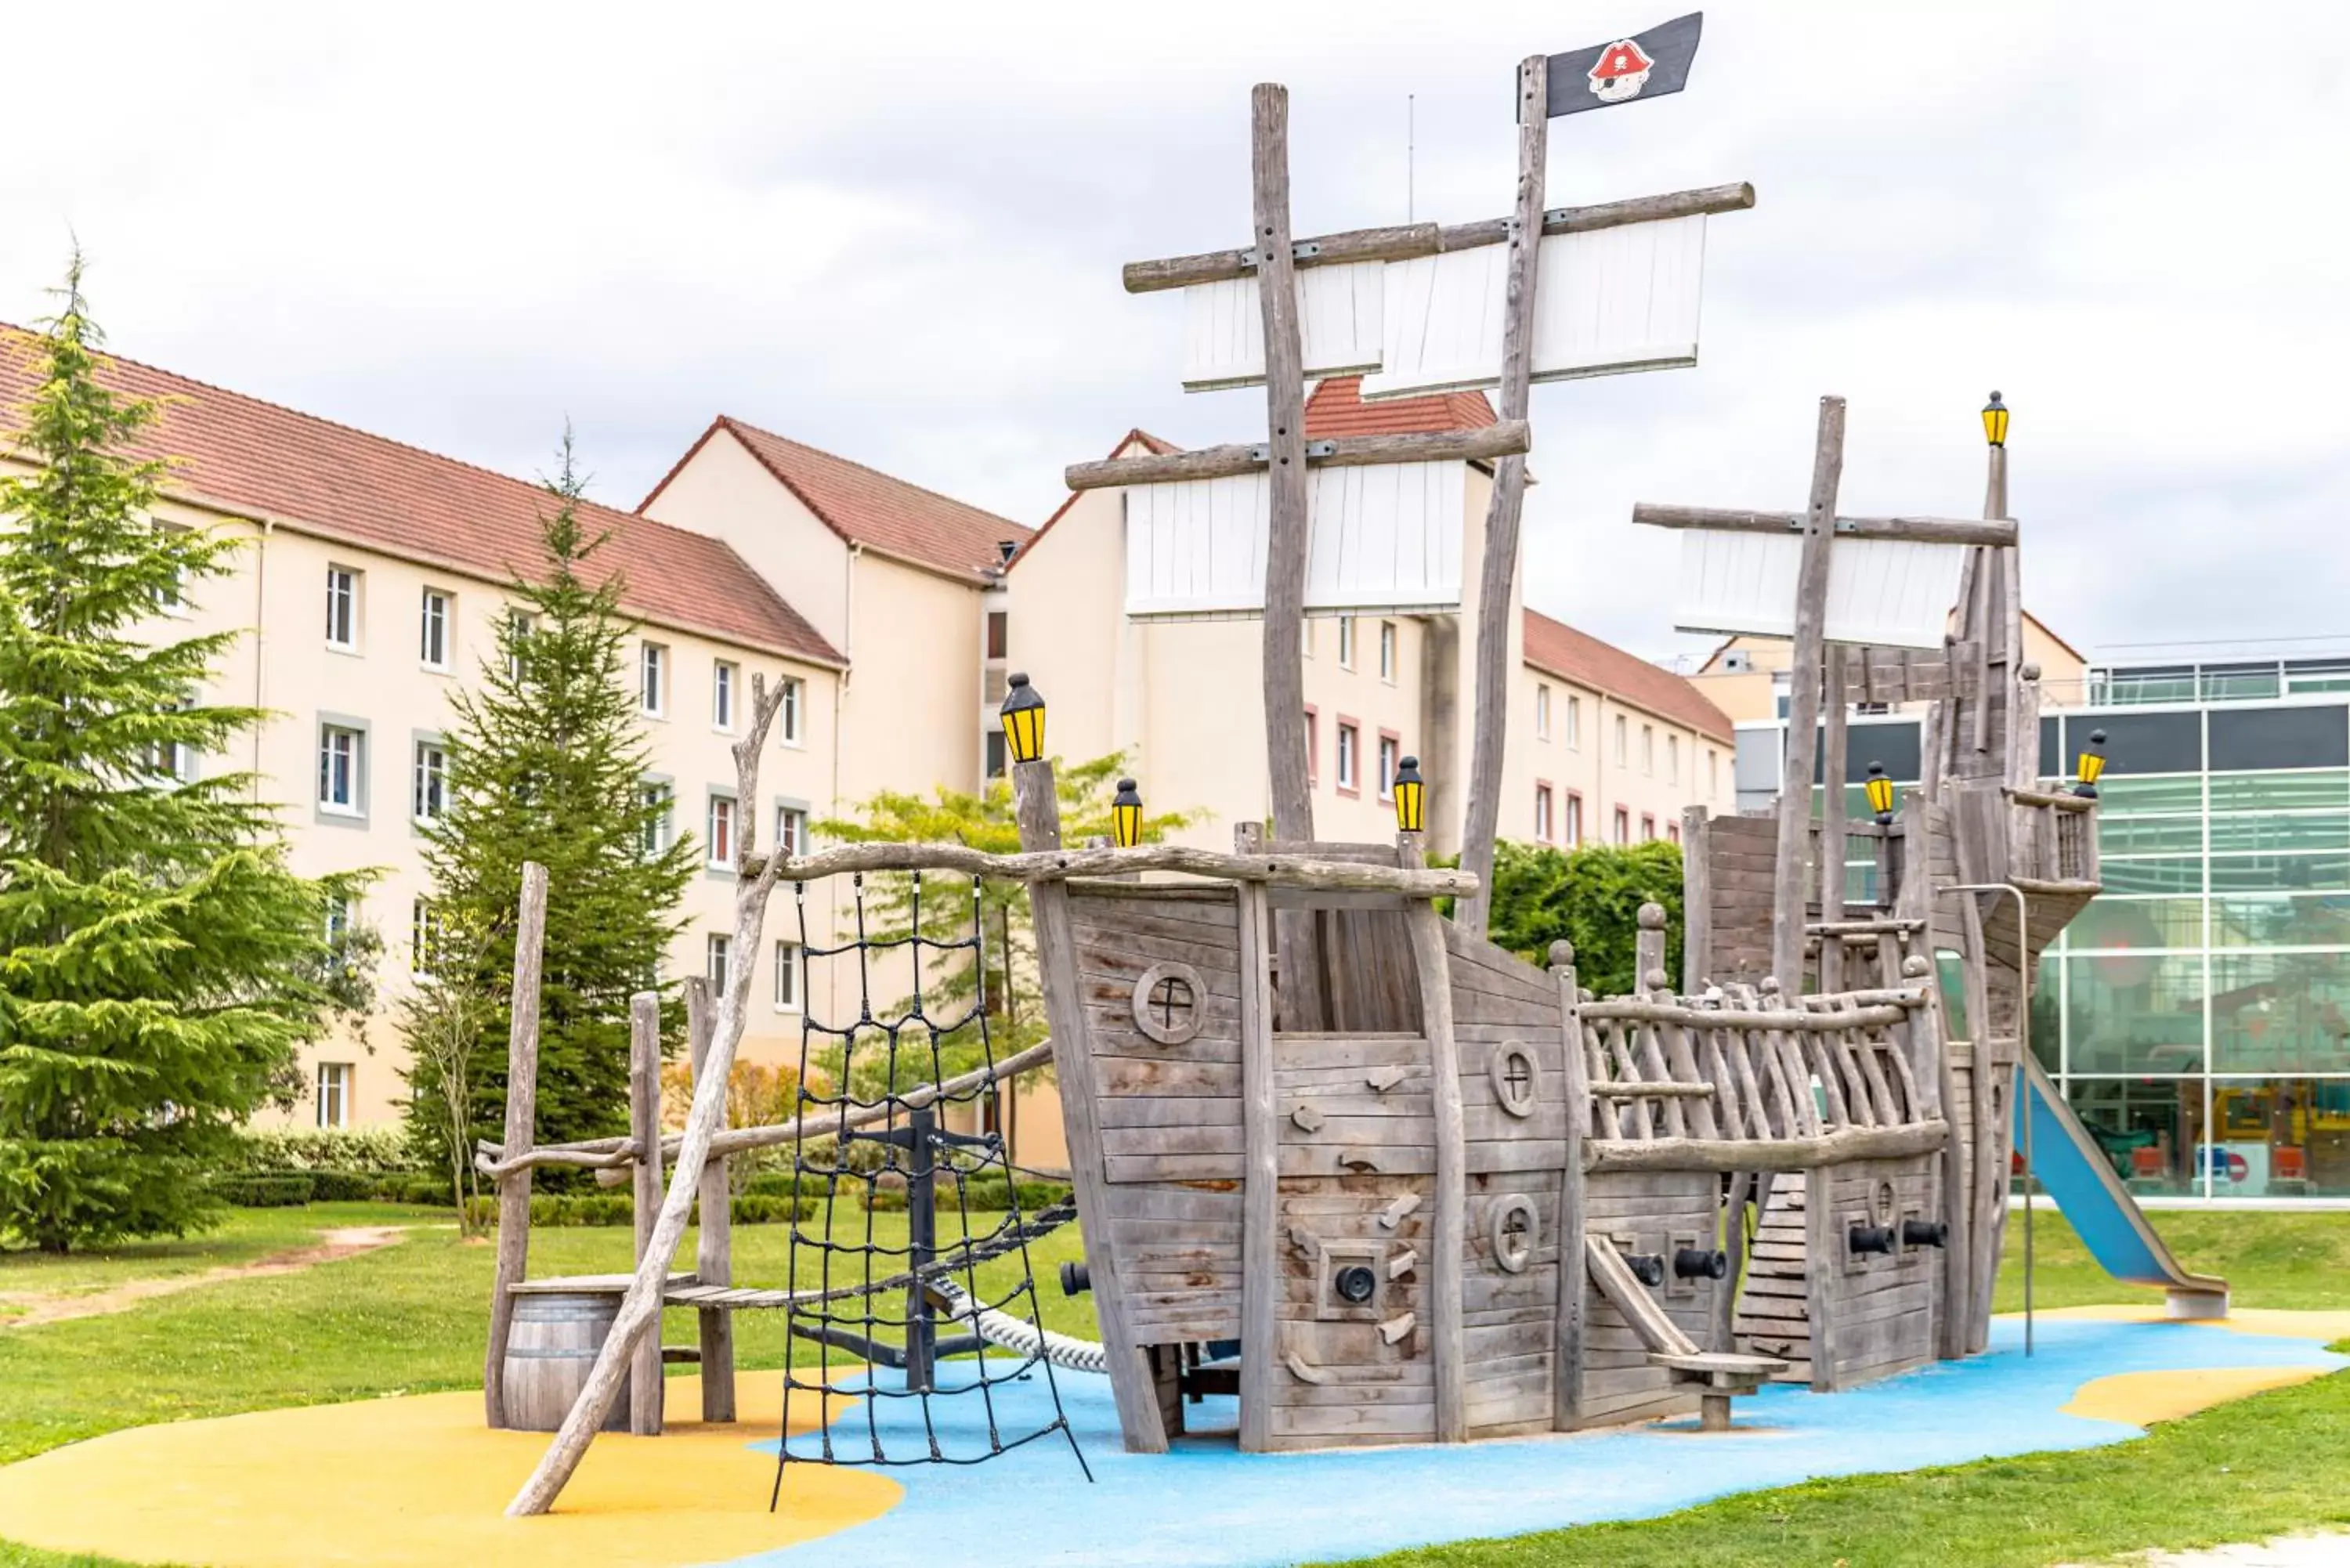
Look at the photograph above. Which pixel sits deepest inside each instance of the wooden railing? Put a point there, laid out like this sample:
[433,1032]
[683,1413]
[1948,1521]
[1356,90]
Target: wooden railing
[2051,838]
[1738,1080]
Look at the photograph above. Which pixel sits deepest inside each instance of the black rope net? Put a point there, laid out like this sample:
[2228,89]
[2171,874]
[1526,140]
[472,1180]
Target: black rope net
[879,1305]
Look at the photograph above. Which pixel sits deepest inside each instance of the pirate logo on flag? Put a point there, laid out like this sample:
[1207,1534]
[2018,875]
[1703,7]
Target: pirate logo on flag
[1647,65]
[1621,71]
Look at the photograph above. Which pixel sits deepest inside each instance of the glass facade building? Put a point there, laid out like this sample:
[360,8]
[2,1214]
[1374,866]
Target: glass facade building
[2197,1014]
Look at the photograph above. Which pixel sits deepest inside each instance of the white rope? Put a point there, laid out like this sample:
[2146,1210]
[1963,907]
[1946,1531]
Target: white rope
[1019,1334]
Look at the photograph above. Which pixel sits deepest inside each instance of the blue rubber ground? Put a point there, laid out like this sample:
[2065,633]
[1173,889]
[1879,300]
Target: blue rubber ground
[1204,1505]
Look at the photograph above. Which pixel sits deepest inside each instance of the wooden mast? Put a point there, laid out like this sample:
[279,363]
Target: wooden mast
[1506,507]
[1284,403]
[1806,677]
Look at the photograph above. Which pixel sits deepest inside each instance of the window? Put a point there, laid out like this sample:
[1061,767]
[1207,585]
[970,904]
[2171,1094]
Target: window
[1345,643]
[999,634]
[338,917]
[1388,652]
[1673,832]
[1349,739]
[1541,813]
[523,624]
[431,785]
[342,762]
[342,608]
[1391,759]
[432,630]
[334,1093]
[791,830]
[173,761]
[1648,749]
[788,713]
[1574,723]
[1313,748]
[715,954]
[1623,741]
[1623,825]
[1542,711]
[653,680]
[1306,638]
[723,676]
[1647,827]
[1712,772]
[173,600]
[659,803]
[720,838]
[787,977]
[423,938]
[997,757]
[1574,824]
[1672,759]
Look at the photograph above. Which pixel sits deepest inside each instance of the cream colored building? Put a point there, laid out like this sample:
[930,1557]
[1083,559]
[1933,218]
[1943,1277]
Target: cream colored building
[373,579]
[1746,677]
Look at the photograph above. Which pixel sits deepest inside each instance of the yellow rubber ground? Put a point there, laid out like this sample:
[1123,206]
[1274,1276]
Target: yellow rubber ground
[2140,1397]
[419,1483]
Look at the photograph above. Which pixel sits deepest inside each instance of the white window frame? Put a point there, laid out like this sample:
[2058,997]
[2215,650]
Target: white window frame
[423,936]
[436,627]
[1712,772]
[791,830]
[1572,824]
[1672,759]
[1390,759]
[342,913]
[791,719]
[662,829]
[1623,741]
[653,680]
[428,793]
[717,960]
[1574,722]
[353,802]
[1542,813]
[1350,741]
[1389,648]
[1542,711]
[1649,750]
[724,676]
[333,1078]
[720,856]
[525,626]
[1345,643]
[787,976]
[343,625]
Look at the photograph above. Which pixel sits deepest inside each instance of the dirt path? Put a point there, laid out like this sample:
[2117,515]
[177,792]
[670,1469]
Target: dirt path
[346,1242]
[2286,1551]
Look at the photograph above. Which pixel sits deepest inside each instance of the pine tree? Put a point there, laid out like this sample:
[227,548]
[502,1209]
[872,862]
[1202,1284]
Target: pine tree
[159,964]
[547,761]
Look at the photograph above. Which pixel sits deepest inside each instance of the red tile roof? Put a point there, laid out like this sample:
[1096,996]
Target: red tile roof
[1337,409]
[248,458]
[868,508]
[1571,655]
[1156,445]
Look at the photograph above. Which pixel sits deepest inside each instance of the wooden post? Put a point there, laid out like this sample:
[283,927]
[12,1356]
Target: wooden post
[1832,820]
[522,1131]
[645,1127]
[1261,1272]
[1039,812]
[1804,680]
[1697,900]
[1285,399]
[1498,576]
[1566,1359]
[1448,1240]
[713,1260]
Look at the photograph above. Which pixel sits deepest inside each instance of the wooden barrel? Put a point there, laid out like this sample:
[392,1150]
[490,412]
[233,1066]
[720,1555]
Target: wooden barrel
[556,1333]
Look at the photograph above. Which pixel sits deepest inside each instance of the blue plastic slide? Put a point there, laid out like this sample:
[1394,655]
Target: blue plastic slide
[2074,1171]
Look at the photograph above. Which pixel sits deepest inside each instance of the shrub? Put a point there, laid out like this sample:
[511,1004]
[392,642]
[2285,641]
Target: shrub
[566,1211]
[758,1209]
[276,1189]
[346,1185]
[990,1192]
[382,1151]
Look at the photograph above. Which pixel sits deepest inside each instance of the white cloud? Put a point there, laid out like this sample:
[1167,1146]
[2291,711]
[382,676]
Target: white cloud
[896,232]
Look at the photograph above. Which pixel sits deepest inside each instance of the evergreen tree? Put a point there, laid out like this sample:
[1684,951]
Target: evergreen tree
[547,761]
[1590,896]
[159,964]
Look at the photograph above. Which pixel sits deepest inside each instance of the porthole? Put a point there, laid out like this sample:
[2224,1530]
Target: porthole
[1170,1003]
[1510,1226]
[1514,1077]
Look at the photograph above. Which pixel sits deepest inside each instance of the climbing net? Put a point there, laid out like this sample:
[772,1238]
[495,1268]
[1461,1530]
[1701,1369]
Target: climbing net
[884,1305]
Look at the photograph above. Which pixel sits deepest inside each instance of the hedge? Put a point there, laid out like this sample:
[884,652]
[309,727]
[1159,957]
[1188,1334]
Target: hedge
[570,1211]
[991,1193]
[276,1189]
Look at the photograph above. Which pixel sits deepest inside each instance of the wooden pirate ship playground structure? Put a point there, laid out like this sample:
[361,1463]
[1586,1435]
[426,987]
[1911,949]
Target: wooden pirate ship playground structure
[1331,1151]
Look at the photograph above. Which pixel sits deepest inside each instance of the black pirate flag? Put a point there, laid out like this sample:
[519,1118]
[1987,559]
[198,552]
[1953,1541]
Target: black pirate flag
[1646,65]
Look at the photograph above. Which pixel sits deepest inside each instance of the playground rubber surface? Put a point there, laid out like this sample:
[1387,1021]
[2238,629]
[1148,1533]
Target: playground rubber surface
[391,1484]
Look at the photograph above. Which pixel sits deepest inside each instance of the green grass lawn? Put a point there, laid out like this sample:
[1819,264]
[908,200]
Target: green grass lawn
[412,1317]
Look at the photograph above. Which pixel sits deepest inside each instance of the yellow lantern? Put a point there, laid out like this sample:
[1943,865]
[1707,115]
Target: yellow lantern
[1125,814]
[1994,417]
[1881,795]
[1409,793]
[2093,765]
[1024,720]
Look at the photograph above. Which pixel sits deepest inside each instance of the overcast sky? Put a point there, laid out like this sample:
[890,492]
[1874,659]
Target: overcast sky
[894,230]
